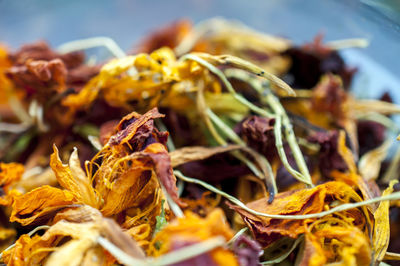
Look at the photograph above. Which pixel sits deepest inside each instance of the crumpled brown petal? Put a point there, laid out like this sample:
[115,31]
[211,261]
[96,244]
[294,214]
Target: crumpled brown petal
[329,96]
[41,51]
[139,147]
[258,133]
[41,79]
[328,157]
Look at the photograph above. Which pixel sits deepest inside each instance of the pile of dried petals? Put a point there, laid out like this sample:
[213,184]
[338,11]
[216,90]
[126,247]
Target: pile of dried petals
[206,144]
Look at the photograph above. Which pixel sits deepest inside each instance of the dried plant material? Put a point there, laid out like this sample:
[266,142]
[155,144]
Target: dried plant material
[258,133]
[34,250]
[392,256]
[192,229]
[73,178]
[245,65]
[10,173]
[312,60]
[34,180]
[168,36]
[77,214]
[329,157]
[7,237]
[371,132]
[40,79]
[352,177]
[382,226]
[188,154]
[113,81]
[136,133]
[370,164]
[305,201]
[336,244]
[221,36]
[380,107]
[329,96]
[41,51]
[247,250]
[289,166]
[227,31]
[39,203]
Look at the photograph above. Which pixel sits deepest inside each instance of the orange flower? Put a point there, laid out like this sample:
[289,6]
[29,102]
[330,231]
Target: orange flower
[337,244]
[193,229]
[134,163]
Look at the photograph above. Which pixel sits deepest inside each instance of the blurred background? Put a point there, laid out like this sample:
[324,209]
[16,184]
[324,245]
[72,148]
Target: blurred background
[126,21]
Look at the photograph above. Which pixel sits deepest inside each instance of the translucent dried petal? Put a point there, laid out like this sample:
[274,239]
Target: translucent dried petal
[382,226]
[39,203]
[73,178]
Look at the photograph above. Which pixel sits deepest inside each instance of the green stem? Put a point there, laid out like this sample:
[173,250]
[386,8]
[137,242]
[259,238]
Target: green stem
[267,175]
[290,137]
[281,119]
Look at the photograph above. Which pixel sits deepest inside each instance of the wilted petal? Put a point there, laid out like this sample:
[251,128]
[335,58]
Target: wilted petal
[382,226]
[39,203]
[73,178]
